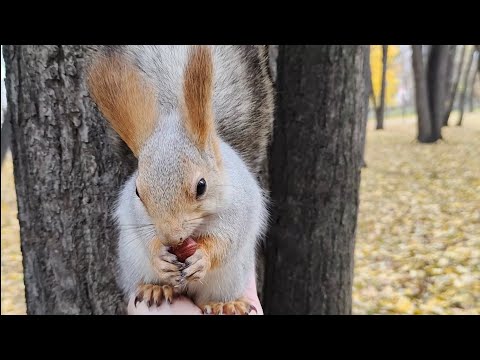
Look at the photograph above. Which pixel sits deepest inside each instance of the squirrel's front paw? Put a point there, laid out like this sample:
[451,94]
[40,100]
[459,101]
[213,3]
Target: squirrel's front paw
[153,294]
[168,268]
[196,266]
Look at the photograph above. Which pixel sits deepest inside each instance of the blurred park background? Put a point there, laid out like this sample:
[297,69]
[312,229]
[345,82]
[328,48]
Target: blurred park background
[417,247]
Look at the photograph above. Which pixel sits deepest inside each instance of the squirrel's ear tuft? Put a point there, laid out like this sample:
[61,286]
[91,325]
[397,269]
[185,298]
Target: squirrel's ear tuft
[124,98]
[198,95]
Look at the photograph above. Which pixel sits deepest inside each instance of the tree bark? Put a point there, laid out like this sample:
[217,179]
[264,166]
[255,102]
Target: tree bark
[66,177]
[453,88]
[315,167]
[381,108]
[421,96]
[461,103]
[436,78]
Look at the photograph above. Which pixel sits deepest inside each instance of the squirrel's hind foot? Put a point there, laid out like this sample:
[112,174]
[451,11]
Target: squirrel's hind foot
[237,307]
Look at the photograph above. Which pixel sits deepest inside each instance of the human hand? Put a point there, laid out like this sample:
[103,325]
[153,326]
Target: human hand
[184,306]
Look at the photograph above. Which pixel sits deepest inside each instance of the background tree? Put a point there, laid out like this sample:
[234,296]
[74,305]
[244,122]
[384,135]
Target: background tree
[6,134]
[475,73]
[424,122]
[384,79]
[430,90]
[380,110]
[66,178]
[315,163]
[436,79]
[465,82]
[452,89]
[450,63]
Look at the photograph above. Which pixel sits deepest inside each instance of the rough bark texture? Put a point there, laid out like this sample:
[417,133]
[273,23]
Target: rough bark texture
[380,111]
[315,166]
[436,79]
[463,94]
[66,178]
[421,96]
[454,86]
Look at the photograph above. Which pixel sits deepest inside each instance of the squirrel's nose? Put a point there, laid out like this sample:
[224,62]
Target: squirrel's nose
[174,238]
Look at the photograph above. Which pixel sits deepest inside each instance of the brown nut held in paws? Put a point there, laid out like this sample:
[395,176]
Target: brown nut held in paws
[184,251]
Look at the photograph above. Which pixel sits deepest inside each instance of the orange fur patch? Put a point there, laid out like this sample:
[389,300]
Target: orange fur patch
[198,93]
[214,249]
[155,247]
[124,98]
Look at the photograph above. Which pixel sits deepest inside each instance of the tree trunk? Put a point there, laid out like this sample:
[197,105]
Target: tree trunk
[450,64]
[473,76]
[461,104]
[381,108]
[6,134]
[421,96]
[66,177]
[454,87]
[436,78]
[372,96]
[315,168]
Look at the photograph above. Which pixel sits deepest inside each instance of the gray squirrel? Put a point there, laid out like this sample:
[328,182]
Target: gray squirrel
[198,119]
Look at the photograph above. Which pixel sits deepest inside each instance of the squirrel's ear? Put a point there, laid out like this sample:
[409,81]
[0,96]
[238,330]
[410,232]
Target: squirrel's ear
[198,93]
[124,98]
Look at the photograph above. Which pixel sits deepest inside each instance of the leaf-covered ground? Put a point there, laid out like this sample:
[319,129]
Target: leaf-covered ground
[418,238]
[13,291]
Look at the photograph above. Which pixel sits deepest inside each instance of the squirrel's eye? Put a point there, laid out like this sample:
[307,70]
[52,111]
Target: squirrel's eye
[136,192]
[201,187]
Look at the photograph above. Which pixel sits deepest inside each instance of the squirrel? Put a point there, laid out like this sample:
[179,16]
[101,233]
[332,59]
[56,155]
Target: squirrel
[198,119]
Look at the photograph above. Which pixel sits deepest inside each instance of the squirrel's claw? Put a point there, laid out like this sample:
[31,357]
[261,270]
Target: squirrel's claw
[154,294]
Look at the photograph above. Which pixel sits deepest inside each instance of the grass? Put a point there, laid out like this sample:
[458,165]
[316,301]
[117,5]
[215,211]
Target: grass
[418,237]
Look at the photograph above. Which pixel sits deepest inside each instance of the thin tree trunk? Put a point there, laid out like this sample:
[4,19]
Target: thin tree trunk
[461,104]
[471,86]
[450,65]
[315,169]
[421,96]
[454,87]
[6,134]
[66,178]
[372,95]
[381,108]
[436,78]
